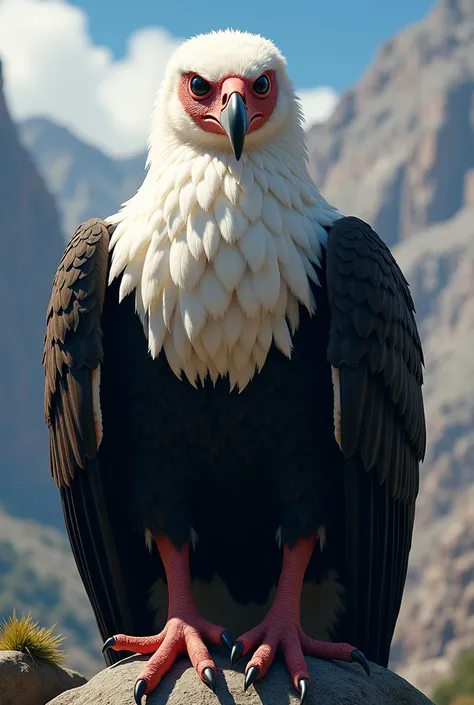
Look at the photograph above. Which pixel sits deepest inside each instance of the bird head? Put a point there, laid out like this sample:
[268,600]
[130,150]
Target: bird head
[227,90]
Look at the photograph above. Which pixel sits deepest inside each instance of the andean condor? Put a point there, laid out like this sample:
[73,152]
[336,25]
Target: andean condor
[233,391]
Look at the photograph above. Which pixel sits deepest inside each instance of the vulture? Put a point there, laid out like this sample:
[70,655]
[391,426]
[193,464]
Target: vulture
[233,390]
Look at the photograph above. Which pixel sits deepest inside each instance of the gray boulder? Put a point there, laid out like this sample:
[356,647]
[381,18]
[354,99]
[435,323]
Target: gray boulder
[332,683]
[28,681]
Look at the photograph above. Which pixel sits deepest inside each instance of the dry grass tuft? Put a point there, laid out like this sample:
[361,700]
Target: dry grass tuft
[26,636]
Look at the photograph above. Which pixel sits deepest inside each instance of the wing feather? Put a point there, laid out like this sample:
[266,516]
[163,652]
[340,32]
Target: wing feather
[73,348]
[114,565]
[375,346]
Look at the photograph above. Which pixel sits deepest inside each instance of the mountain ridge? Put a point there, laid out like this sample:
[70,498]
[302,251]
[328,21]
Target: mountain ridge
[87,182]
[31,236]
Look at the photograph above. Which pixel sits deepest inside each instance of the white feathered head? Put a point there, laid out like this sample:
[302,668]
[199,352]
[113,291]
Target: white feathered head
[226,90]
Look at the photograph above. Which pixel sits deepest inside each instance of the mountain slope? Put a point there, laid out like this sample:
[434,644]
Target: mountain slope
[31,243]
[85,182]
[38,576]
[437,616]
[399,148]
[436,623]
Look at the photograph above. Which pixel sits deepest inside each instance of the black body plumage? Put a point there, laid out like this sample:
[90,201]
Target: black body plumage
[239,467]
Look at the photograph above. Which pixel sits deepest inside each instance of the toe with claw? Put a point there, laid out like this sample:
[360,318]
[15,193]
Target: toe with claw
[139,691]
[303,688]
[237,651]
[251,676]
[209,678]
[275,633]
[108,644]
[227,641]
[179,636]
[359,657]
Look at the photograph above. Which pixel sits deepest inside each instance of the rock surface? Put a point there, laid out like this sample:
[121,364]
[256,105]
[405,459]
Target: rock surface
[332,683]
[24,681]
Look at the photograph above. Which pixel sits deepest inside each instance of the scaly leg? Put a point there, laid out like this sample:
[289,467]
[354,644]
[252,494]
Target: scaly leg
[185,630]
[281,628]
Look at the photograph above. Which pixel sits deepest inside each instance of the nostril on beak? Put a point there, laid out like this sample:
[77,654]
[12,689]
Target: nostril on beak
[225,98]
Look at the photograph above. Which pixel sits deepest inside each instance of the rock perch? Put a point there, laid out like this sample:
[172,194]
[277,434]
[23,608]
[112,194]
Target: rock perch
[332,683]
[28,681]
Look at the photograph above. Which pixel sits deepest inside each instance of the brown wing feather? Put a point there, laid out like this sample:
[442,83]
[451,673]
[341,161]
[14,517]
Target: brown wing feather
[116,568]
[73,349]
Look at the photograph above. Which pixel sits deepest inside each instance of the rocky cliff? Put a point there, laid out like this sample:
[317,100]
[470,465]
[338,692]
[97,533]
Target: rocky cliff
[437,618]
[31,244]
[399,149]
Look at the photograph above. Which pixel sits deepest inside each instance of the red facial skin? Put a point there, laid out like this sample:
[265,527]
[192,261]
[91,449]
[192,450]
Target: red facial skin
[206,110]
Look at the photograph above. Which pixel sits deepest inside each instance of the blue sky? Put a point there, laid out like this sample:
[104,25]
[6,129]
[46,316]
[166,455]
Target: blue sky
[326,42]
[94,66]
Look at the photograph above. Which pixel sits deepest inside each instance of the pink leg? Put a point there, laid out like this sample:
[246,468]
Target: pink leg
[281,628]
[185,630]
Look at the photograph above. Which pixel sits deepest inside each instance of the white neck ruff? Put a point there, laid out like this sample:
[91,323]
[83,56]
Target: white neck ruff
[220,254]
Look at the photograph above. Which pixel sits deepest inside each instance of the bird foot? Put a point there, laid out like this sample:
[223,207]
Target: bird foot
[285,633]
[180,636]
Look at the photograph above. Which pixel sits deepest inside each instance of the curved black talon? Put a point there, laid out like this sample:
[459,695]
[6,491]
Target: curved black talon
[304,688]
[359,657]
[227,641]
[236,653]
[108,644]
[139,691]
[209,678]
[251,677]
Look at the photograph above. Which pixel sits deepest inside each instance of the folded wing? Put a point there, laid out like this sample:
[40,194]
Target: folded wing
[377,360]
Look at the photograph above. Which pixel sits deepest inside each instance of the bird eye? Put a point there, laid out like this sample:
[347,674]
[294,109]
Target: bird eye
[199,86]
[262,85]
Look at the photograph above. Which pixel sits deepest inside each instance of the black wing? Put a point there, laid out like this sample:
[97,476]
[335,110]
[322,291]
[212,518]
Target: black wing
[375,349]
[114,566]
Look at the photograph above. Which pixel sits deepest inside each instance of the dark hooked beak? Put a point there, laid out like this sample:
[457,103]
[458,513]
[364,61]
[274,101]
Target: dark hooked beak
[234,119]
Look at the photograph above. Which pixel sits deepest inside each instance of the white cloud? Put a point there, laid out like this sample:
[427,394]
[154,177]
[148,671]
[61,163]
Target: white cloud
[318,104]
[53,68]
